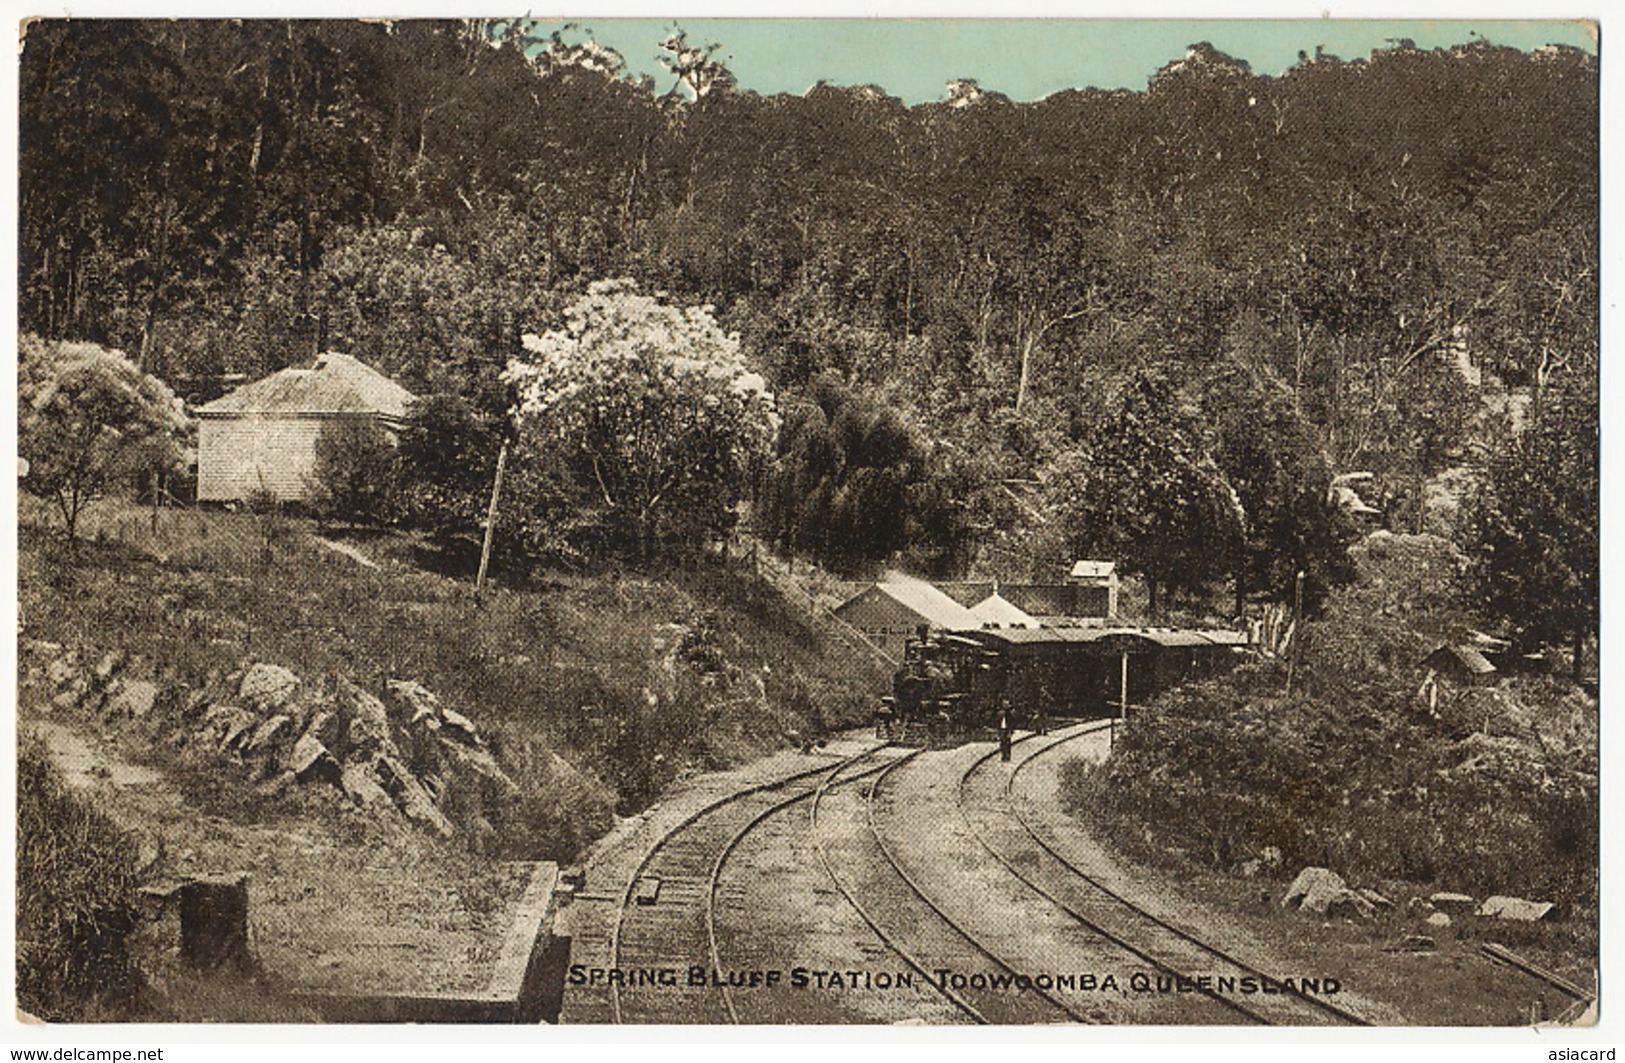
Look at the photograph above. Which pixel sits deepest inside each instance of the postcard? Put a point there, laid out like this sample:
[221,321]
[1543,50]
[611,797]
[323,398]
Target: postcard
[803,522]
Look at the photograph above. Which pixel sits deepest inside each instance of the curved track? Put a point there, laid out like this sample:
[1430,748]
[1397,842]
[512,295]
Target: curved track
[919,931]
[685,862]
[987,805]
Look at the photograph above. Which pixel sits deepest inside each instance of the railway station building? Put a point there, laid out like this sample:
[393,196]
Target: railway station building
[889,611]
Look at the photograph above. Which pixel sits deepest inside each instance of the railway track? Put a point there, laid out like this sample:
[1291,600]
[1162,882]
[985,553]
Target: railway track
[688,902]
[914,927]
[986,801]
[666,920]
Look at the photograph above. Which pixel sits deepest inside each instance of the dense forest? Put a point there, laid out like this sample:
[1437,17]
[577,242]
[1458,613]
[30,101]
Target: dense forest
[1154,325]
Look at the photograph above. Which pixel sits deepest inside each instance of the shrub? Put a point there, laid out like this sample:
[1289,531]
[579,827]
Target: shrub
[75,898]
[357,476]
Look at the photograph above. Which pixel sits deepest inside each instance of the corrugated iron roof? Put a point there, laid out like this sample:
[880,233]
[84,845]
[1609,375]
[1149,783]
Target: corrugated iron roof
[336,383]
[996,611]
[930,603]
[1093,569]
[1050,635]
[1473,661]
[1169,637]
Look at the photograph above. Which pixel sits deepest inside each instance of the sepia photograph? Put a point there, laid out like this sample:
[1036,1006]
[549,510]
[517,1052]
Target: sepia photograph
[807,523]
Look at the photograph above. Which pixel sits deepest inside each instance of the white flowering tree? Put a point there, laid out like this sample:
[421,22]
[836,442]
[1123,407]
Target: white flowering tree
[88,420]
[648,412]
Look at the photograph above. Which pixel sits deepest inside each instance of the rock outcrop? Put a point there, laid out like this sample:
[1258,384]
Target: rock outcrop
[403,754]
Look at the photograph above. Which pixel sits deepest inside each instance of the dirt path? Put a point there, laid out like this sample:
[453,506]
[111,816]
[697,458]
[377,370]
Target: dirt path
[358,908]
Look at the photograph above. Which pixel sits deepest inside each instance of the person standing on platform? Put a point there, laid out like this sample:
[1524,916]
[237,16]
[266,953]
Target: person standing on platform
[1004,731]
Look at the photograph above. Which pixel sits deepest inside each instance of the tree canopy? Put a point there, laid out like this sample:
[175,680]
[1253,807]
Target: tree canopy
[89,420]
[1361,276]
[1538,556]
[1141,488]
[651,413]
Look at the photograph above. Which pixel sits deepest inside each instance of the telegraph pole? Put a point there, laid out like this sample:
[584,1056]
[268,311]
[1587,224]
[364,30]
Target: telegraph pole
[491,520]
[1297,631]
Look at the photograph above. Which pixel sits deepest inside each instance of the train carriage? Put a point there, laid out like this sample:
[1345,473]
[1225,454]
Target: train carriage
[968,679]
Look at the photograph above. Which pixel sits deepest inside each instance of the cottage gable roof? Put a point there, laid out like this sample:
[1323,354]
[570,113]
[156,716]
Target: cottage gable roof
[336,383]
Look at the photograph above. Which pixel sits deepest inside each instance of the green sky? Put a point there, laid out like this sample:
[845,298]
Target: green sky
[1030,58]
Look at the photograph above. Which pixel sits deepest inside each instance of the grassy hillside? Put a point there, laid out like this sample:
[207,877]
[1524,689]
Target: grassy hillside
[592,692]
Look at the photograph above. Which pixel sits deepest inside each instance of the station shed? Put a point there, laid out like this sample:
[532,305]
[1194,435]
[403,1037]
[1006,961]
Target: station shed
[897,606]
[1097,584]
[997,611]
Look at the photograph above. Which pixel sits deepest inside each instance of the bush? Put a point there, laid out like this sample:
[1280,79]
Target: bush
[75,898]
[1349,773]
[357,476]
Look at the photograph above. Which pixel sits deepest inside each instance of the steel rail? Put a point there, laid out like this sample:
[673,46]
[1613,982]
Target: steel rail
[632,879]
[914,886]
[739,836]
[1015,810]
[947,992]
[1076,915]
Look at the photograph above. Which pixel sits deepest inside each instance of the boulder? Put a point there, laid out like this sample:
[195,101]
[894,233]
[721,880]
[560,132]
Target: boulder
[414,701]
[324,727]
[196,701]
[361,706]
[267,734]
[237,731]
[62,670]
[133,698]
[410,796]
[359,784]
[481,762]
[1375,899]
[1440,919]
[309,760]
[368,730]
[1453,903]
[71,694]
[267,687]
[1308,879]
[222,725]
[1328,900]
[460,727]
[111,663]
[1419,907]
[1515,908]
[1319,891]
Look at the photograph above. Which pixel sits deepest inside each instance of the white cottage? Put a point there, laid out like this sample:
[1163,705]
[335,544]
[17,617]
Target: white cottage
[262,436]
